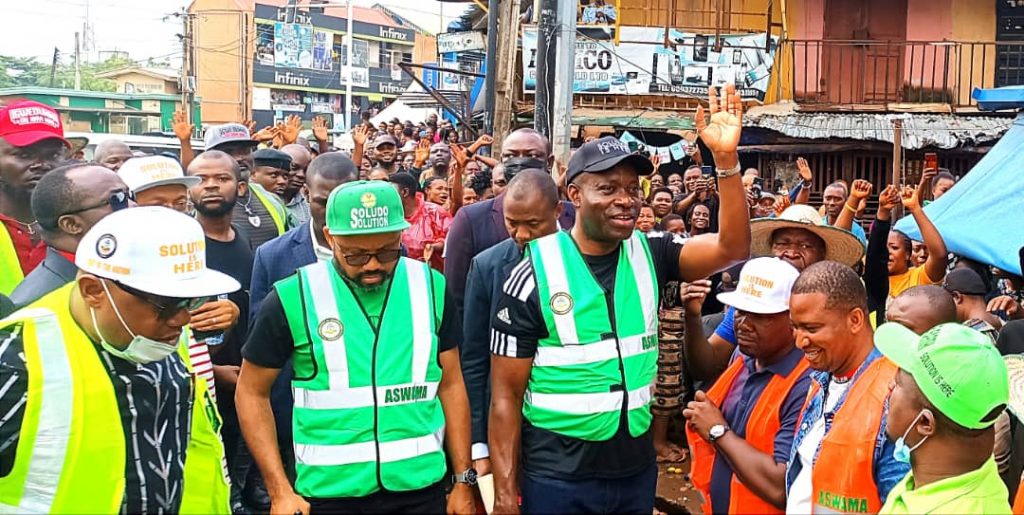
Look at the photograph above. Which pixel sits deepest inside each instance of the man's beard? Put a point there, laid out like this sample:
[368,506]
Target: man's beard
[223,209]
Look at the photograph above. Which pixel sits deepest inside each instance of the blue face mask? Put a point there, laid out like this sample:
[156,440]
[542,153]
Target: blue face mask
[902,453]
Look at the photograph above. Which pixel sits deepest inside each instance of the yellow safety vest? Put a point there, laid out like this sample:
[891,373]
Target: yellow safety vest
[277,211]
[71,449]
[10,265]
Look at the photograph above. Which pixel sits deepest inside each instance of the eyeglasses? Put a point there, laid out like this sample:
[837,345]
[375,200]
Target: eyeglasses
[166,307]
[384,256]
[117,201]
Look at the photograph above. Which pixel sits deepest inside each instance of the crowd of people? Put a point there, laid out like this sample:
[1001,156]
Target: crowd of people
[417,327]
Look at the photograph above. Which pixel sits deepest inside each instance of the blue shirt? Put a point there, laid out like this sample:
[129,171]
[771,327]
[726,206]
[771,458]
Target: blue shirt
[727,330]
[857,231]
[887,471]
[739,402]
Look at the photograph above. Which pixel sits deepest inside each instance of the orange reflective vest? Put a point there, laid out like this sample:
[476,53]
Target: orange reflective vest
[1018,501]
[762,426]
[843,479]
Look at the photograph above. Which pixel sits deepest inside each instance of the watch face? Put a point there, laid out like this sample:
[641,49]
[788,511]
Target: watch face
[717,431]
[471,476]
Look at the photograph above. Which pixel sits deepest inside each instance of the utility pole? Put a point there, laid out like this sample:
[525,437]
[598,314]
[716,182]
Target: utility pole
[188,74]
[556,44]
[348,59]
[897,160]
[490,64]
[504,72]
[78,72]
[53,66]
[547,49]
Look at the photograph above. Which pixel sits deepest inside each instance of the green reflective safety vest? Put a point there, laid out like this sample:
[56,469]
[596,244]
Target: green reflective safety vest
[274,206]
[10,265]
[366,416]
[70,454]
[591,366]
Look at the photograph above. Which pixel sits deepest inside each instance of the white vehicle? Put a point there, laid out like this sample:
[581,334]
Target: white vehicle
[146,144]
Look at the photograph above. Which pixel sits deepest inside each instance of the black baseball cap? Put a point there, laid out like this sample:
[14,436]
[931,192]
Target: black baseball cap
[604,154]
[385,139]
[964,281]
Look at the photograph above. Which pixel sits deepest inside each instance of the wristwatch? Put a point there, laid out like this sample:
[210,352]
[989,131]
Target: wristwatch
[717,431]
[468,477]
[728,172]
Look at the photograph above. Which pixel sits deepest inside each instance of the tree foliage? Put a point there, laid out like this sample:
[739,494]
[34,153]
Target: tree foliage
[26,71]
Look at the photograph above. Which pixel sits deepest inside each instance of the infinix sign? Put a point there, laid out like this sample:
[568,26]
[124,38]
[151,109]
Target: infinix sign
[290,79]
[389,33]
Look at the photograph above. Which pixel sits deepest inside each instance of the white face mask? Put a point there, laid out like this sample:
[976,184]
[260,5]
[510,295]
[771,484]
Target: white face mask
[140,350]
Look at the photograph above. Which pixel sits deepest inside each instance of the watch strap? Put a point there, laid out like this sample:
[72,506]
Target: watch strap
[728,172]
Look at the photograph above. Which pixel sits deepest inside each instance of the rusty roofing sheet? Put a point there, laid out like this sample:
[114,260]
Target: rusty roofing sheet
[945,131]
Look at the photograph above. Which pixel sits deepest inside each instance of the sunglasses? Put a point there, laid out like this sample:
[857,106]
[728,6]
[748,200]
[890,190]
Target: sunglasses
[384,256]
[166,307]
[117,201]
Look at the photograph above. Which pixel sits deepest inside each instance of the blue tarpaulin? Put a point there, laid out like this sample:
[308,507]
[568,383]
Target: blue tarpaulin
[982,216]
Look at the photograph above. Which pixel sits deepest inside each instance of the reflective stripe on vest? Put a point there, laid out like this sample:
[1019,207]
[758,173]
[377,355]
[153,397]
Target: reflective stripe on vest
[849,445]
[271,206]
[587,367]
[79,462]
[10,266]
[762,426]
[366,403]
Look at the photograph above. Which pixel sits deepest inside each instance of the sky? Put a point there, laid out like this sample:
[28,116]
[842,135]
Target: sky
[33,29]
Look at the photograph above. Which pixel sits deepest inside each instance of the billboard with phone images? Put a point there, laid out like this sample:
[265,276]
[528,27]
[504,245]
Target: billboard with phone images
[687,67]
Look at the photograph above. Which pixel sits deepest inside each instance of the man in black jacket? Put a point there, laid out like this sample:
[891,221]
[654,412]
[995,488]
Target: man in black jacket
[67,202]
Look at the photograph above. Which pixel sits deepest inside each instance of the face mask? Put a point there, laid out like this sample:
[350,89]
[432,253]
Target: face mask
[140,350]
[902,453]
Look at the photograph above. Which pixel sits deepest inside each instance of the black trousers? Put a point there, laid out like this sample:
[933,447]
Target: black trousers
[431,499]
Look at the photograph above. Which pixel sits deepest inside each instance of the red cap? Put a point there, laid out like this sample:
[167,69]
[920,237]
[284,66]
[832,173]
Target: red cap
[25,123]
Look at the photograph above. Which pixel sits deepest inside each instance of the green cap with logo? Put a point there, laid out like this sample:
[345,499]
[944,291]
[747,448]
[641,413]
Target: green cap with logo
[365,207]
[957,369]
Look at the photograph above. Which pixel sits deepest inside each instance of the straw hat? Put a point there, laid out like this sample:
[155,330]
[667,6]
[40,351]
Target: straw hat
[840,245]
[1015,369]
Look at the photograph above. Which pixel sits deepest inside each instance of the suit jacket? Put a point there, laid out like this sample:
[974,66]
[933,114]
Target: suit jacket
[476,228]
[487,274]
[276,260]
[55,271]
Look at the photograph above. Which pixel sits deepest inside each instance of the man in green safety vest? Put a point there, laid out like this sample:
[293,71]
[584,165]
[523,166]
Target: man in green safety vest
[575,335]
[378,387]
[104,413]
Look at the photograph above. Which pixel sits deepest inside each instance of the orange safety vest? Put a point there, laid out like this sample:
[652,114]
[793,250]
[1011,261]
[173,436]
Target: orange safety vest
[762,426]
[845,481]
[1018,500]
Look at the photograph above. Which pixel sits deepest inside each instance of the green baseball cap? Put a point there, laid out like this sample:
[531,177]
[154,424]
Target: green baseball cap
[957,369]
[365,207]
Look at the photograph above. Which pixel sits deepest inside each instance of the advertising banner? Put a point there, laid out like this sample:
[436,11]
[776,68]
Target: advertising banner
[685,69]
[358,71]
[322,43]
[293,45]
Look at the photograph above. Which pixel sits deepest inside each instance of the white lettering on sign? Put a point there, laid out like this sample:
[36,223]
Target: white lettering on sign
[290,79]
[387,87]
[389,33]
[30,115]
[460,42]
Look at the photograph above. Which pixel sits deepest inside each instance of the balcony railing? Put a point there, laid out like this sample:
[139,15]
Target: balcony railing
[833,73]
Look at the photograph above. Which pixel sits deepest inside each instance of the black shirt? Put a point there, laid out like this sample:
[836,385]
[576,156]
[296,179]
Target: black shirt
[271,345]
[256,236]
[516,329]
[234,258]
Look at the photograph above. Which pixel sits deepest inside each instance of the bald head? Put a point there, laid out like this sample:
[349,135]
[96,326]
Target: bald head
[526,143]
[111,154]
[921,308]
[333,166]
[531,183]
[300,155]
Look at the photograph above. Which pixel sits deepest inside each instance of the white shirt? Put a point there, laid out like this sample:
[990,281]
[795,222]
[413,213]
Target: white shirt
[322,253]
[800,492]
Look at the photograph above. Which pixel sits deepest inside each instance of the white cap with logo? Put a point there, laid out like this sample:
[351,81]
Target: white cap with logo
[155,250]
[764,287]
[142,173]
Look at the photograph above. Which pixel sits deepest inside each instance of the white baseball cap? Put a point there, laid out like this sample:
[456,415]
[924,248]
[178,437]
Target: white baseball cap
[155,250]
[764,287]
[142,173]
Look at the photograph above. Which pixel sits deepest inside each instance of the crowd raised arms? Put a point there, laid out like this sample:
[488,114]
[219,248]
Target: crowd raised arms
[414,325]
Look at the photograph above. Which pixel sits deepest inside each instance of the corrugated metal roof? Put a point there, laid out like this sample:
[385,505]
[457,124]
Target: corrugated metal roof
[945,131]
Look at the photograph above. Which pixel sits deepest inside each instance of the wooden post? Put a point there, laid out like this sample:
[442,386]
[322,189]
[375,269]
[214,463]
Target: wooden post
[504,70]
[897,161]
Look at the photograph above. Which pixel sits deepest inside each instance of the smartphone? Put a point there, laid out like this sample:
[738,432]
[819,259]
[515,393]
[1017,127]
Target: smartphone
[931,161]
[423,134]
[757,187]
[707,171]
[633,146]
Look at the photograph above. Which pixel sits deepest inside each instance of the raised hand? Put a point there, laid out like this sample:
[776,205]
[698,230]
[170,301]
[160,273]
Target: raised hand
[484,140]
[422,153]
[804,169]
[860,190]
[265,134]
[692,295]
[460,155]
[359,134]
[656,161]
[910,196]
[250,124]
[320,128]
[889,198]
[781,203]
[290,130]
[721,132]
[182,128]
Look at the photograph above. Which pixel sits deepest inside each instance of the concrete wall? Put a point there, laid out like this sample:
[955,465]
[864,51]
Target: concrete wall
[145,84]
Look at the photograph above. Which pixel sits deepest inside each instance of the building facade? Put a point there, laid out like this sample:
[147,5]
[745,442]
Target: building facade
[268,60]
[97,111]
